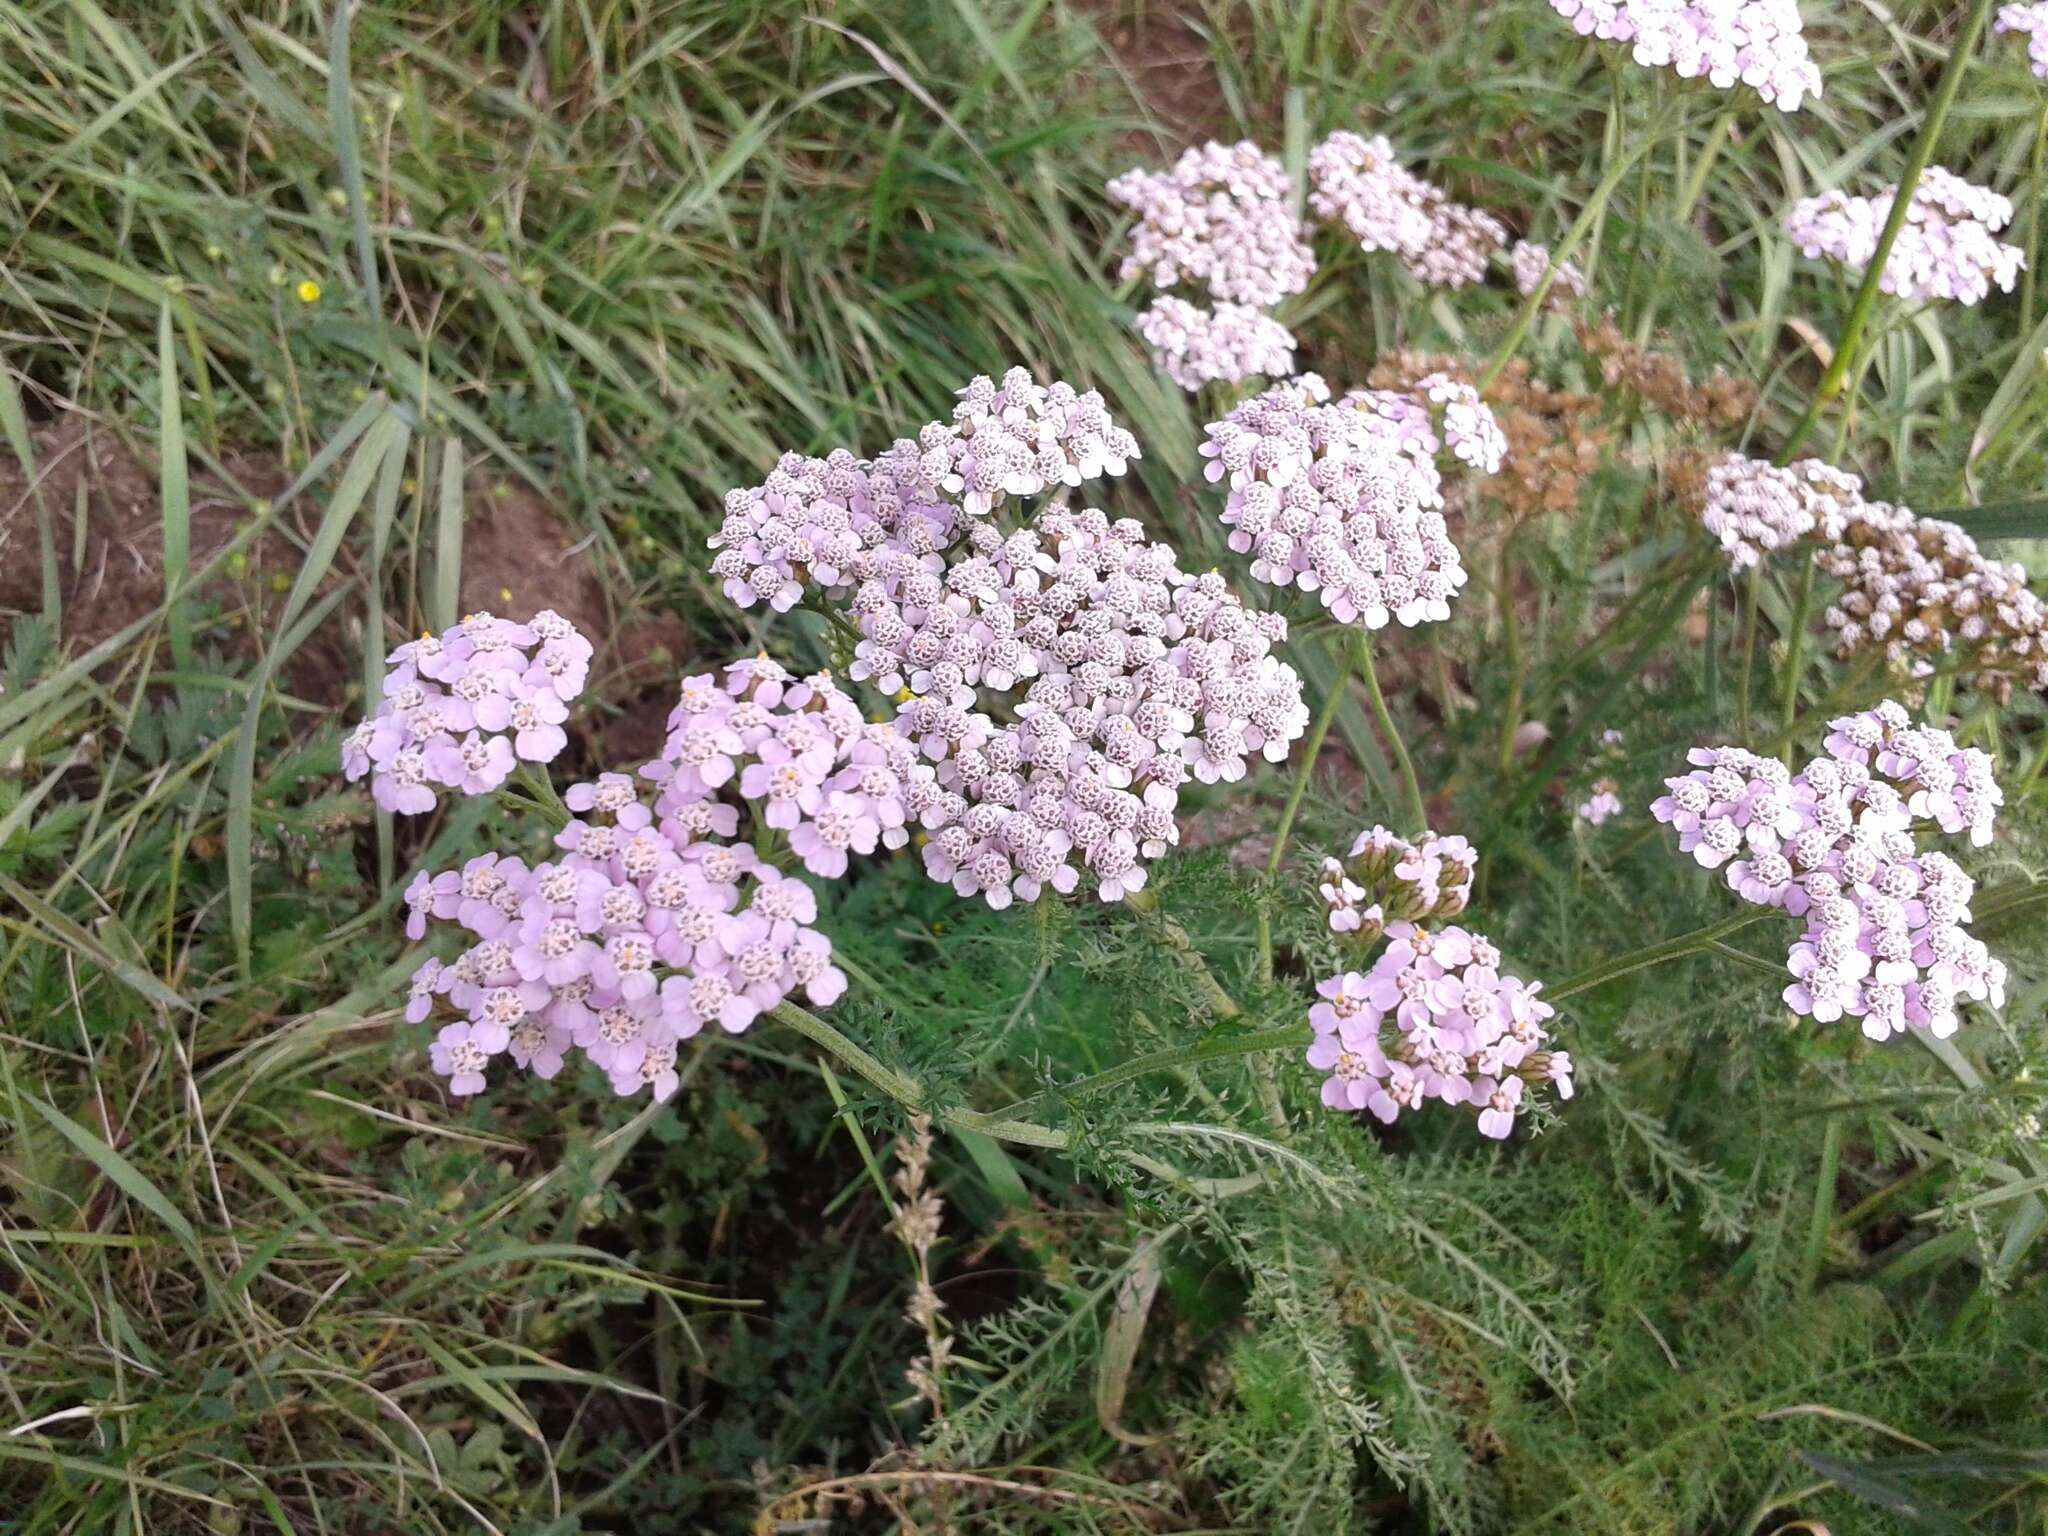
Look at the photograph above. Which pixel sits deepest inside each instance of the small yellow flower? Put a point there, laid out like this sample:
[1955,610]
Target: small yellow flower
[308,292]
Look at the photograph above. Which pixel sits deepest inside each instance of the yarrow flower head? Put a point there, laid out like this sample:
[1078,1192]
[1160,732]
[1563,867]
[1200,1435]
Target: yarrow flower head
[461,710]
[1753,508]
[1947,248]
[1359,182]
[1757,43]
[1223,217]
[1344,498]
[1529,261]
[2030,22]
[1118,675]
[1225,345]
[1388,879]
[1884,940]
[650,924]
[1602,804]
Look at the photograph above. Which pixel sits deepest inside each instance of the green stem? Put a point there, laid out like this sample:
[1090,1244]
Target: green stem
[1795,645]
[1618,168]
[1823,1205]
[1510,644]
[2033,221]
[1867,294]
[1742,680]
[541,789]
[1696,184]
[1414,817]
[1313,748]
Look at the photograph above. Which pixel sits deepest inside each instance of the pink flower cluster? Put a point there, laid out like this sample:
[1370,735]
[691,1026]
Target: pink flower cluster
[1884,940]
[1602,804]
[1388,879]
[1194,346]
[1947,248]
[1344,498]
[1753,508]
[1435,1018]
[638,935]
[1059,681]
[1758,43]
[1359,183]
[1140,676]
[462,709]
[830,781]
[2030,22]
[1223,216]
[1529,261]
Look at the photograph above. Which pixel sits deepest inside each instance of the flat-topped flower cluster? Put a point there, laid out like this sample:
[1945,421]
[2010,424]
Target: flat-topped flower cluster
[1757,43]
[650,925]
[1916,589]
[1948,248]
[1060,680]
[1359,182]
[461,710]
[1434,1017]
[1884,940]
[1344,498]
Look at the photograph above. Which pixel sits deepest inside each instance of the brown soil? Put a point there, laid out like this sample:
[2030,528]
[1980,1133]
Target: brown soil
[1164,55]
[519,555]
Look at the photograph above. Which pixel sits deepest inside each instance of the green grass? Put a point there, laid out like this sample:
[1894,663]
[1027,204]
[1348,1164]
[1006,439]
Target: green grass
[257,1272]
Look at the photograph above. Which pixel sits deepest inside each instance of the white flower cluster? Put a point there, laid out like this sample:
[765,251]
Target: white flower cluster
[1344,499]
[1222,217]
[2030,22]
[1118,675]
[1195,346]
[1754,508]
[1757,43]
[1884,940]
[1530,261]
[1947,248]
[1358,182]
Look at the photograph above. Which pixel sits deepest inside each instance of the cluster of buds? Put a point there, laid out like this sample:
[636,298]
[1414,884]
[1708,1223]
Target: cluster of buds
[1884,940]
[461,710]
[1359,183]
[1947,248]
[1757,43]
[1388,879]
[1433,1017]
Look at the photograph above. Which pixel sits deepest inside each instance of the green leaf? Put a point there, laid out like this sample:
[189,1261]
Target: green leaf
[122,1172]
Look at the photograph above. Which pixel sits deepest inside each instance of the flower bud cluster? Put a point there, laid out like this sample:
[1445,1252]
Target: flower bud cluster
[462,709]
[1947,248]
[1358,182]
[1884,940]
[1920,590]
[1434,1017]
[1344,498]
[1388,879]
[1757,43]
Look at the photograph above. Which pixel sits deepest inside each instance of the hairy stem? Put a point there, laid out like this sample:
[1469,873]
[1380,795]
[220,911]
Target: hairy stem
[1415,820]
[1795,647]
[1743,678]
[1511,644]
[1916,161]
[1823,1205]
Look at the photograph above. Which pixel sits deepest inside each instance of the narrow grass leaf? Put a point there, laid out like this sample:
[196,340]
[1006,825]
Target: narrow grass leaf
[120,1172]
